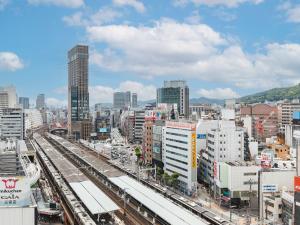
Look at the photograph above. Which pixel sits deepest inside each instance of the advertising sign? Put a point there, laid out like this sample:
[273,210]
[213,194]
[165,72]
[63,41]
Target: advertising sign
[297,184]
[103,130]
[266,159]
[14,191]
[180,125]
[268,188]
[194,151]
[201,136]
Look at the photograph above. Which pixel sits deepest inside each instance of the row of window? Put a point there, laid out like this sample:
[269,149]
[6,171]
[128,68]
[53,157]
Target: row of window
[177,160]
[177,147]
[183,142]
[175,153]
[178,167]
[176,134]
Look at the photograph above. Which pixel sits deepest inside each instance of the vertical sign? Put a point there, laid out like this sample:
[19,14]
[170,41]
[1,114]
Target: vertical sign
[194,151]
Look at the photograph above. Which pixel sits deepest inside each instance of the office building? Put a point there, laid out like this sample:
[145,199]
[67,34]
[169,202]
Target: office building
[157,147]
[175,92]
[264,120]
[78,93]
[40,101]
[12,125]
[232,181]
[122,100]
[139,119]
[24,102]
[180,154]
[223,143]
[134,100]
[8,97]
[285,114]
[102,125]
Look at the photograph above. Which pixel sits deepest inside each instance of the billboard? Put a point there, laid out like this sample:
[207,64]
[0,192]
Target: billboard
[297,184]
[103,130]
[269,188]
[194,151]
[201,136]
[266,159]
[14,191]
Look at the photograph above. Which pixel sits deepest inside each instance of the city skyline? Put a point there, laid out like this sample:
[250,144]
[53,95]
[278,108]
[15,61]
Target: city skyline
[222,48]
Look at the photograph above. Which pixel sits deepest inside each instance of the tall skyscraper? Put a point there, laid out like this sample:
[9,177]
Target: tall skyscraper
[78,93]
[40,101]
[122,99]
[175,92]
[24,101]
[134,100]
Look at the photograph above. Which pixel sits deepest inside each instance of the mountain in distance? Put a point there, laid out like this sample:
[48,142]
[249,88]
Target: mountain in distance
[275,94]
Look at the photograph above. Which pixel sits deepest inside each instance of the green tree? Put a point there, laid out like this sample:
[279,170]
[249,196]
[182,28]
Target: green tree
[166,178]
[174,180]
[138,152]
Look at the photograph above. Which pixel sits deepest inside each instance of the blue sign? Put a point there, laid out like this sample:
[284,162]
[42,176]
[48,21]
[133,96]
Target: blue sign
[296,115]
[201,136]
[103,130]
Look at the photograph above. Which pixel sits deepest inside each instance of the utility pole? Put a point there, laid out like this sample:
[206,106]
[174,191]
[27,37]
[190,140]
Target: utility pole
[250,205]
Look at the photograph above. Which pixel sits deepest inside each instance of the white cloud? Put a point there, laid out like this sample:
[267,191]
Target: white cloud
[197,51]
[218,93]
[3,4]
[226,3]
[10,61]
[137,5]
[54,102]
[61,90]
[102,16]
[63,3]
[292,13]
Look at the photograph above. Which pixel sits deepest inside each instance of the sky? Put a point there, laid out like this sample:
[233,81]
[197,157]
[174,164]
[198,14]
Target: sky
[222,48]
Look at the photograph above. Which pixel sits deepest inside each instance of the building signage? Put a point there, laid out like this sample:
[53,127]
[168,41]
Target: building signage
[266,159]
[201,136]
[180,125]
[268,188]
[194,151]
[103,130]
[297,184]
[14,191]
[215,169]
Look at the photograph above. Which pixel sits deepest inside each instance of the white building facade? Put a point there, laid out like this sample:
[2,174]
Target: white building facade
[180,154]
[12,123]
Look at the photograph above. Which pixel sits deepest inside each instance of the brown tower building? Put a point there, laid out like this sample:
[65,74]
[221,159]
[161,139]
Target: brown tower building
[78,94]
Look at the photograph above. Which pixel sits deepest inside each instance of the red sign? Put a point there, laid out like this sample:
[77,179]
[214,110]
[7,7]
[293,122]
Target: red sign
[10,183]
[297,184]
[181,125]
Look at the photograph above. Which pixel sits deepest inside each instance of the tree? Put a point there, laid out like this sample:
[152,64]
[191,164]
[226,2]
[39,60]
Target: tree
[166,178]
[174,180]
[138,153]
[159,173]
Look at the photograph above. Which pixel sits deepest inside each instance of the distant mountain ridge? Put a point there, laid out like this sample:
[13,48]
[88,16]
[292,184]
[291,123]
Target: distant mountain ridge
[275,94]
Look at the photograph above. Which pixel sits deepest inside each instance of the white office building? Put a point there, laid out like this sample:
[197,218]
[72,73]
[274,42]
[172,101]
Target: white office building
[224,144]
[8,97]
[12,123]
[180,154]
[33,119]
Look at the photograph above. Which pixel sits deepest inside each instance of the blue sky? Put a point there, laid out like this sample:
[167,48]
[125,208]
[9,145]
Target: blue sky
[223,48]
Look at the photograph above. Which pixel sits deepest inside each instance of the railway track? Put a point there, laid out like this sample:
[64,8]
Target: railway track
[131,216]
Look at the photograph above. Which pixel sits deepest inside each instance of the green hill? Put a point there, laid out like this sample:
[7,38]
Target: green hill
[274,94]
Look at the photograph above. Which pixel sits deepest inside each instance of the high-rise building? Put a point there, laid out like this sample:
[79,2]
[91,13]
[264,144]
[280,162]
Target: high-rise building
[78,93]
[12,125]
[134,100]
[285,114]
[122,100]
[180,154]
[264,119]
[175,92]
[8,97]
[24,102]
[40,101]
